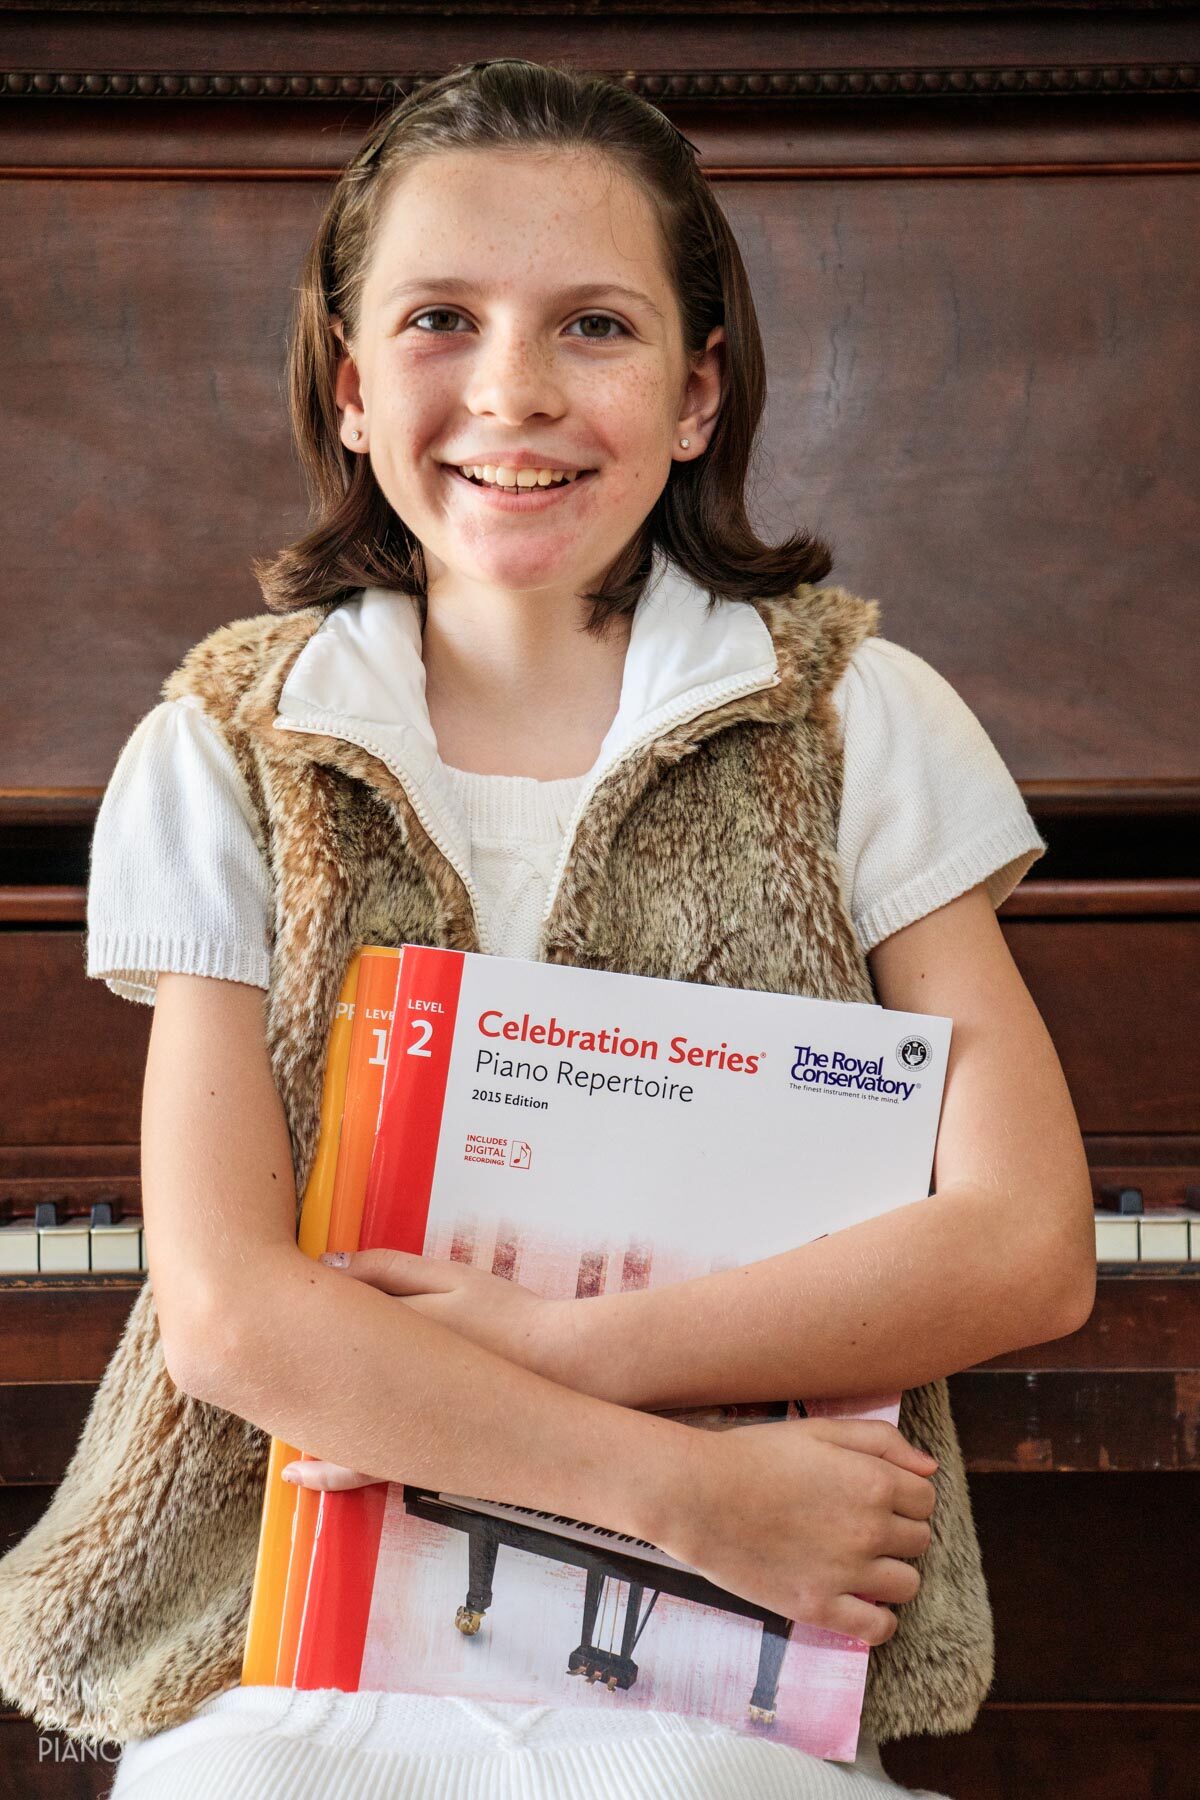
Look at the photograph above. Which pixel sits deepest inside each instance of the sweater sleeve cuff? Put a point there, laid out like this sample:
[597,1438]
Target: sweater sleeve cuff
[131,964]
[1000,855]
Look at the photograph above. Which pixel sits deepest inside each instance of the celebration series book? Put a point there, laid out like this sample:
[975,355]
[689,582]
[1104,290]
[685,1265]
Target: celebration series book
[582,1132]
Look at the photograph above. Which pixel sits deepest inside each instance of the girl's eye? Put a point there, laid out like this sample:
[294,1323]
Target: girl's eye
[438,312]
[448,312]
[601,319]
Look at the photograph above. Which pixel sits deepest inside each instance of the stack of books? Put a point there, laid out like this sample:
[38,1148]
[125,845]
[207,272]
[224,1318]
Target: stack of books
[582,1132]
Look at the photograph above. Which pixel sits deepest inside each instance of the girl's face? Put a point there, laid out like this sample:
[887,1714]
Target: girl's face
[517,313]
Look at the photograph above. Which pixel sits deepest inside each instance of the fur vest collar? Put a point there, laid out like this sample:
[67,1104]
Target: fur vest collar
[360,676]
[704,851]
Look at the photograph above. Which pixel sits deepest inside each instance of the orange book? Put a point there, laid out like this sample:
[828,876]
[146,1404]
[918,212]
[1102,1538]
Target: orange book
[366,1060]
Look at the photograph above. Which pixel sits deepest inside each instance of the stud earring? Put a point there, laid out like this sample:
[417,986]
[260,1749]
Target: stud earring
[684,442]
[355,435]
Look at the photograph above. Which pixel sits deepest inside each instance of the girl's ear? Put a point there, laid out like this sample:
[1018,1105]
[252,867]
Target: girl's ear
[347,393]
[702,395]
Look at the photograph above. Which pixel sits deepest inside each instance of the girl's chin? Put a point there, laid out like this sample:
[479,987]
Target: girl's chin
[517,573]
[569,564]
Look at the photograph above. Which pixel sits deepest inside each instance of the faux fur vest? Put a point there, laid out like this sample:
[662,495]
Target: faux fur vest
[706,855]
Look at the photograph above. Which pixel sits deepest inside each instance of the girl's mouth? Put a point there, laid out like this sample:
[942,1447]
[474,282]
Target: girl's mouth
[511,499]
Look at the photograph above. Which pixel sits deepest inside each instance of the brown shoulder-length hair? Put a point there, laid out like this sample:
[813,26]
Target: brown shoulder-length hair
[700,519]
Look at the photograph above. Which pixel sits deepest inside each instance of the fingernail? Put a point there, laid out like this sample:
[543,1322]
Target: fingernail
[289,1474]
[336,1259]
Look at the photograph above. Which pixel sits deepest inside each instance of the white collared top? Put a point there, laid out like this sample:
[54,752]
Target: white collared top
[176,882]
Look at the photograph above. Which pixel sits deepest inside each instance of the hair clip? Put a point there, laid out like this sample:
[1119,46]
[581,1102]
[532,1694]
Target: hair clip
[695,148]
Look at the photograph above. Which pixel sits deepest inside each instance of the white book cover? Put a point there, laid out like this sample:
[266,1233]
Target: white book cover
[587,1132]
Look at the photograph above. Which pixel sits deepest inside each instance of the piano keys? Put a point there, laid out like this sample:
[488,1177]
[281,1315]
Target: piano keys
[1127,1231]
[95,1243]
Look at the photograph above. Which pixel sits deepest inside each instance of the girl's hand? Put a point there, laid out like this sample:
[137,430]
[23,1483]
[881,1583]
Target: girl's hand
[325,1476]
[813,1518]
[500,1315]
[497,1314]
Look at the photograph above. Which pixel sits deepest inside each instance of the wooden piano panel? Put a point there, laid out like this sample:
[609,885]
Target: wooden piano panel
[1121,999]
[955,439]
[71,1052]
[161,427]
[1097,1750]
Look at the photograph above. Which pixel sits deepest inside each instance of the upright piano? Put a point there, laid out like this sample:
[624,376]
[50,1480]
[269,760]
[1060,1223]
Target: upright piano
[971,235]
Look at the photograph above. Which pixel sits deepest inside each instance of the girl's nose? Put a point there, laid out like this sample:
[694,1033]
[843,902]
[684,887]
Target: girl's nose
[513,379]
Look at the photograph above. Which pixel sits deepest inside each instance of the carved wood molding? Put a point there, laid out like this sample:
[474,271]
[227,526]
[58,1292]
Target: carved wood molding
[710,86]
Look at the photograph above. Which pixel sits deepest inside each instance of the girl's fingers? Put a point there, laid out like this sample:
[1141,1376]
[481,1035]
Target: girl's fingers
[402,1272]
[857,1618]
[875,1437]
[915,1496]
[908,1537]
[897,1449]
[326,1476]
[891,1581]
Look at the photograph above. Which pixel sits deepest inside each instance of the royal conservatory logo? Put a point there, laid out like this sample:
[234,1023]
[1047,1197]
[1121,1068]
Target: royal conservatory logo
[837,1070]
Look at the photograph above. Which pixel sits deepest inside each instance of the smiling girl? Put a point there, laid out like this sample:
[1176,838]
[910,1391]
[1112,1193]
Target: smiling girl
[532,684]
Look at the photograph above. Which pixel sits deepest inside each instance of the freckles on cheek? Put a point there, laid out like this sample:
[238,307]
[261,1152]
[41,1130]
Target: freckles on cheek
[418,400]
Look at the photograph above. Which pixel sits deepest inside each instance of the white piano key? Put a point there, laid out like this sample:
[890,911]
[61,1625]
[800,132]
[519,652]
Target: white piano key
[142,1250]
[1164,1235]
[65,1249]
[1194,1227]
[18,1248]
[1116,1238]
[117,1248]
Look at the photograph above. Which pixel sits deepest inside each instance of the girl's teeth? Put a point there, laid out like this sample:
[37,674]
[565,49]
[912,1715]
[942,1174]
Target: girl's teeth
[521,478]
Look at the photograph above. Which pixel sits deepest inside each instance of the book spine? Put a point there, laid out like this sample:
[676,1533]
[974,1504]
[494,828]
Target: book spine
[396,1210]
[373,1015]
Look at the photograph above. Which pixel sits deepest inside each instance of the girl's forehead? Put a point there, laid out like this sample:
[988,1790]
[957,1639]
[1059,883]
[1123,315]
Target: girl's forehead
[478,219]
[515,200]
[575,165]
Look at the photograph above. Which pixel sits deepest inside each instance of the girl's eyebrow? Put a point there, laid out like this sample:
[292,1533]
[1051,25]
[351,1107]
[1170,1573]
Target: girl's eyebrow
[580,290]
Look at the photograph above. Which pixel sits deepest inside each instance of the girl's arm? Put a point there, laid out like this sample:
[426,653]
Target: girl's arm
[808,1518]
[1001,1255]
[253,1325]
